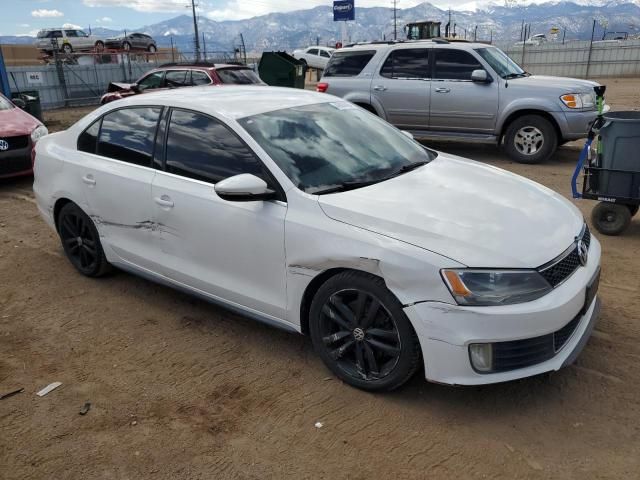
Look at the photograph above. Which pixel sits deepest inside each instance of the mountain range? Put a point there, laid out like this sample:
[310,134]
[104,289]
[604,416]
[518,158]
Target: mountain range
[501,23]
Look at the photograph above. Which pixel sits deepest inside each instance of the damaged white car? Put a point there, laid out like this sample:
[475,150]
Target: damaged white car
[307,212]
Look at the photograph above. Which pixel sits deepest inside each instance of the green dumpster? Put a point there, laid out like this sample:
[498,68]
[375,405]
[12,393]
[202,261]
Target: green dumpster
[32,100]
[280,69]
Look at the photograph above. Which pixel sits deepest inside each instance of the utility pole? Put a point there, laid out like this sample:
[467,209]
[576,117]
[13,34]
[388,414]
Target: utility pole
[195,30]
[395,19]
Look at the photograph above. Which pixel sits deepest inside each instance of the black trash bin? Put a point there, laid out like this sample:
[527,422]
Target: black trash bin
[32,100]
[280,69]
[621,153]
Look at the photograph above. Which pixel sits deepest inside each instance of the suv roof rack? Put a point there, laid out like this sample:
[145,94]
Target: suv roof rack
[394,42]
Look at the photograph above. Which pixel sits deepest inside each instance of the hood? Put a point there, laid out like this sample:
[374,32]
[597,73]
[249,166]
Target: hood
[16,121]
[566,84]
[478,215]
[119,87]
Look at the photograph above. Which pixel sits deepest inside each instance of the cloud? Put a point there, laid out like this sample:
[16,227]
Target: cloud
[104,20]
[141,5]
[25,25]
[44,13]
[72,26]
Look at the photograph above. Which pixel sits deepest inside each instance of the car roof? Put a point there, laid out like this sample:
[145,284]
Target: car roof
[201,66]
[230,101]
[413,44]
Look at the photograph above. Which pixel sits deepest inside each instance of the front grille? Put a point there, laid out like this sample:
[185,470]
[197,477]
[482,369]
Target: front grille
[21,141]
[14,165]
[531,351]
[560,269]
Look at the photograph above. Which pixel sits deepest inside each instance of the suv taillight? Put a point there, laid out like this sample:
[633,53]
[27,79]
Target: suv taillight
[322,87]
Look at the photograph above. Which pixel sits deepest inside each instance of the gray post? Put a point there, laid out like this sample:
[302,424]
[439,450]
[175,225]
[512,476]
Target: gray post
[593,31]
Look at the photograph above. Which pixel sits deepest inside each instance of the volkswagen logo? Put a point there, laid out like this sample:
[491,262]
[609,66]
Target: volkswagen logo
[4,145]
[583,252]
[358,334]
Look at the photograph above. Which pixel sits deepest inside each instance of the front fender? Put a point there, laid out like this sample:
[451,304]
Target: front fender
[543,105]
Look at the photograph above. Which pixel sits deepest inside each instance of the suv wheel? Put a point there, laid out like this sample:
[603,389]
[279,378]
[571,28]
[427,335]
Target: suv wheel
[360,331]
[126,46]
[67,48]
[152,49]
[99,46]
[530,139]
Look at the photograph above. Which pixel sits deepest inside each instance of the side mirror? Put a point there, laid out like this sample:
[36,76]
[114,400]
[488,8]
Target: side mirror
[244,188]
[407,134]
[480,76]
[18,102]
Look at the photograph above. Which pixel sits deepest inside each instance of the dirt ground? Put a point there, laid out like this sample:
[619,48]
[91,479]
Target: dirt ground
[180,389]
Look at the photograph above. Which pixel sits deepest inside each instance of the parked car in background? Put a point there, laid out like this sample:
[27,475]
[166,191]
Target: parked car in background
[314,57]
[463,92]
[537,39]
[307,212]
[132,41]
[176,75]
[19,132]
[68,40]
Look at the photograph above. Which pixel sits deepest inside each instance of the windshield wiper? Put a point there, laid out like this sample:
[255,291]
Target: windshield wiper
[352,185]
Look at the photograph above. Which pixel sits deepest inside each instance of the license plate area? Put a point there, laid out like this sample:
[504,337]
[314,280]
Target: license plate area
[591,292]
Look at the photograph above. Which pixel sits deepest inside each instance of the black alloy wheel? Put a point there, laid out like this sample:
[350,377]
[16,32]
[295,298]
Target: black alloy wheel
[81,241]
[362,334]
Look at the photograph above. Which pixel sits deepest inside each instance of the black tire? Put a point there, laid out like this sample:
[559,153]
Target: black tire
[81,241]
[611,218]
[126,46]
[633,209]
[530,139]
[99,46]
[346,342]
[67,48]
[152,49]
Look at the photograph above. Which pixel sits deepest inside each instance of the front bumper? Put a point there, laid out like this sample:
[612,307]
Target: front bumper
[14,163]
[575,125]
[445,331]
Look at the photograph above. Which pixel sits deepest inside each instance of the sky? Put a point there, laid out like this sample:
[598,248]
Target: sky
[26,17]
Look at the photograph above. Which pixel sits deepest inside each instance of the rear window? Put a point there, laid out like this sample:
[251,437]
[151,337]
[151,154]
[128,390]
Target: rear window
[348,64]
[238,76]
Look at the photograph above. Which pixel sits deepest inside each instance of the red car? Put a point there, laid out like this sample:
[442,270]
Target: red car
[19,132]
[176,75]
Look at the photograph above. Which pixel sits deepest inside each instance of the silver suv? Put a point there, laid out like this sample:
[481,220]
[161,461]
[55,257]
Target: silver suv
[462,91]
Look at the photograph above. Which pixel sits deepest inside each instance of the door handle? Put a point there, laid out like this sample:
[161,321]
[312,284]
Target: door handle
[443,90]
[379,88]
[89,180]
[164,201]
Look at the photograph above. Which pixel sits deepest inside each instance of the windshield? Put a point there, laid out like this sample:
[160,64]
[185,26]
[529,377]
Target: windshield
[238,76]
[5,104]
[323,146]
[500,62]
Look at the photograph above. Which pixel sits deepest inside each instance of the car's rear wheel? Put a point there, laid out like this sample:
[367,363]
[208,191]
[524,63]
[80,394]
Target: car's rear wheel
[611,218]
[99,46]
[152,49]
[360,331]
[81,241]
[530,139]
[67,48]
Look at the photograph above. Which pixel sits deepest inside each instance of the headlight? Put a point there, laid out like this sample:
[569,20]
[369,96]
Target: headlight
[495,287]
[579,100]
[39,132]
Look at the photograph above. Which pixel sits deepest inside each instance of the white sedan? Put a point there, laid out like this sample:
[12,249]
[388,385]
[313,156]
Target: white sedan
[314,57]
[307,212]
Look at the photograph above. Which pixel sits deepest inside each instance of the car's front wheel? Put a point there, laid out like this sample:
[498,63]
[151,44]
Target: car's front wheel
[126,46]
[361,332]
[530,139]
[81,241]
[152,49]
[99,46]
[67,48]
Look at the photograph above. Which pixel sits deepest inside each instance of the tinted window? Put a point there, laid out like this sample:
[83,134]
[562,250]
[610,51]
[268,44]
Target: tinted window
[411,63]
[82,33]
[312,51]
[87,139]
[199,78]
[348,64]
[238,76]
[71,33]
[151,81]
[177,78]
[324,53]
[455,65]
[128,135]
[202,148]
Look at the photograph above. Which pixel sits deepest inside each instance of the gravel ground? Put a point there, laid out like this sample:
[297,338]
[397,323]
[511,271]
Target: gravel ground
[182,389]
